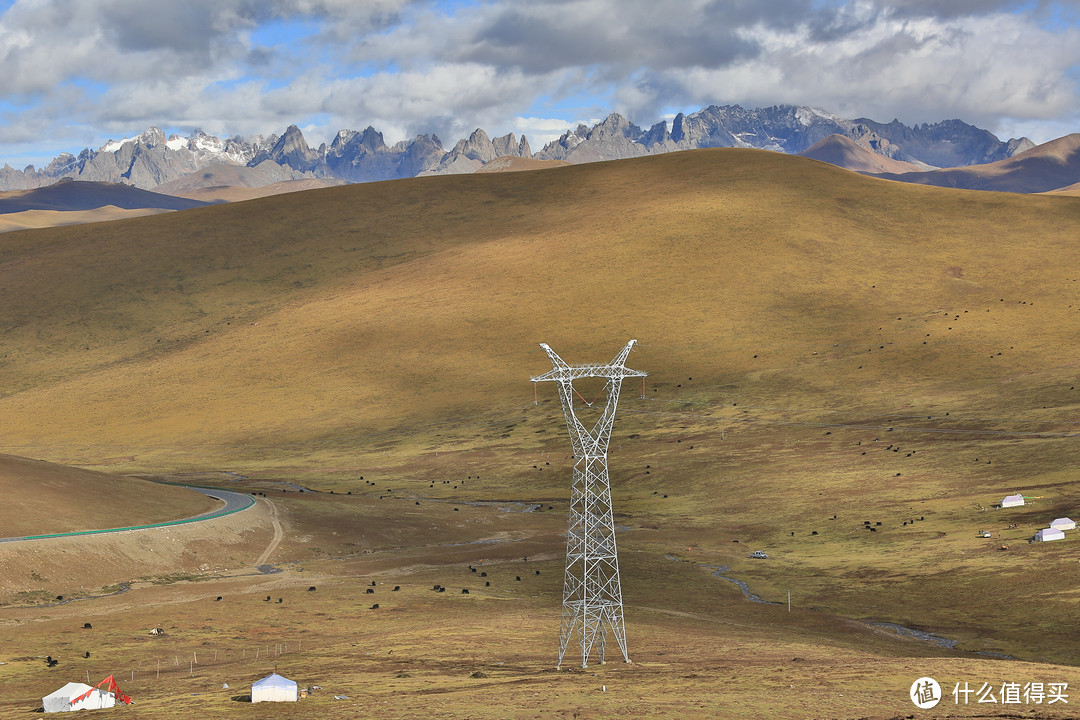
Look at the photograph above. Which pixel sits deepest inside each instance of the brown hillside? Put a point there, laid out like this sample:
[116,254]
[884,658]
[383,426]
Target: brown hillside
[508,163]
[1045,167]
[239,193]
[41,497]
[842,151]
[1073,189]
[824,349]
[220,175]
[33,219]
[338,311]
[228,182]
[73,195]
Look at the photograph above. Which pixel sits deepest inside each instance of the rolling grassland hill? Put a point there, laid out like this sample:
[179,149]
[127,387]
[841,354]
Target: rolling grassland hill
[74,202]
[36,219]
[510,163]
[74,195]
[232,183]
[322,314]
[41,497]
[239,193]
[825,350]
[1045,167]
[1073,189]
[78,202]
[842,151]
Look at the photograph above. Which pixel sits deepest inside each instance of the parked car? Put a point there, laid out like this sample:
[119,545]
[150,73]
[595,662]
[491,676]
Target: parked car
[759,555]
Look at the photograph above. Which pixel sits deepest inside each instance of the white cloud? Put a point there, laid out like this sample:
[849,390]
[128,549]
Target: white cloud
[921,70]
[73,68]
[540,131]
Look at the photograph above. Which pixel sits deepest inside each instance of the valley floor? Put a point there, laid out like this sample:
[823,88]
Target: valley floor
[699,647]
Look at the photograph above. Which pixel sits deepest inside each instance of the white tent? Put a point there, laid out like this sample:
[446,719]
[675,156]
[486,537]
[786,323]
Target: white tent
[273,688]
[1063,524]
[60,701]
[1048,534]
[1012,501]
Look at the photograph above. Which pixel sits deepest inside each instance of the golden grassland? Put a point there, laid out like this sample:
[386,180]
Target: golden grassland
[700,649]
[820,345]
[328,313]
[31,219]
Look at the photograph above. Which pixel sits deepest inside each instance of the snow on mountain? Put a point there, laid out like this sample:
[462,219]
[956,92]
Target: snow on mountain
[807,116]
[114,145]
[150,159]
[788,129]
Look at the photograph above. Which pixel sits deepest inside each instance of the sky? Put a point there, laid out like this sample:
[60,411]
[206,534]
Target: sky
[76,73]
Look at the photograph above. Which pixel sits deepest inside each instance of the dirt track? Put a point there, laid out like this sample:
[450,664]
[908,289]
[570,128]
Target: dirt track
[278,535]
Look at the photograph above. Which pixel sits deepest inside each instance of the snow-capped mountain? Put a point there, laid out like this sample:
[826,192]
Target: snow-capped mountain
[151,159]
[784,128]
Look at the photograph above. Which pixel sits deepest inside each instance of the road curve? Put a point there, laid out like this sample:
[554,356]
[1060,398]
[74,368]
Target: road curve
[234,502]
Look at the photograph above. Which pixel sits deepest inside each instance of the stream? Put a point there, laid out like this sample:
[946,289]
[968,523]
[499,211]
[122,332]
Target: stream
[938,640]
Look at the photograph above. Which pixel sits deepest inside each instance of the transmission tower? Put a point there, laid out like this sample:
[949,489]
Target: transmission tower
[592,593]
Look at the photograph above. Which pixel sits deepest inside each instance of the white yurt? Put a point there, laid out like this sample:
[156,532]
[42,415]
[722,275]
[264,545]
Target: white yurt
[1048,534]
[60,701]
[1063,524]
[273,688]
[1012,501]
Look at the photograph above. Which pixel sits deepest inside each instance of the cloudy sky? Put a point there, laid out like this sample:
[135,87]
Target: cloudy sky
[75,73]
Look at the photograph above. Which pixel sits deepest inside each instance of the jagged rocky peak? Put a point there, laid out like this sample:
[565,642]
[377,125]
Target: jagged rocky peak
[864,137]
[656,135]
[292,149]
[424,153]
[372,140]
[1018,145]
[341,141]
[152,137]
[615,125]
[949,143]
[578,134]
[509,145]
[342,138]
[678,128]
[614,138]
[150,158]
[559,148]
[810,115]
[471,153]
[293,138]
[477,147]
[62,163]
[346,142]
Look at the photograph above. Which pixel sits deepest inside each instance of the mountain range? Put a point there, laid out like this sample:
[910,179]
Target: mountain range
[152,159]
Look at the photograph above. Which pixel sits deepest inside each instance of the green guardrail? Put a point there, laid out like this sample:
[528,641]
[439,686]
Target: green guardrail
[197,518]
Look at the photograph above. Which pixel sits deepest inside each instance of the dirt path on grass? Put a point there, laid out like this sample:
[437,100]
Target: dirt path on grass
[279,534]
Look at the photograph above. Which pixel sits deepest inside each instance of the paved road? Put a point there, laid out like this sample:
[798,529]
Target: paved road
[234,502]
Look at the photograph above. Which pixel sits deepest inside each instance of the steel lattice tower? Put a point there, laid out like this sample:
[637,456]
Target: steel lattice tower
[592,593]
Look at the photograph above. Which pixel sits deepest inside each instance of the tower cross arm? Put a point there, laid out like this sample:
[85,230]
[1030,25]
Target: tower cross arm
[561,372]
